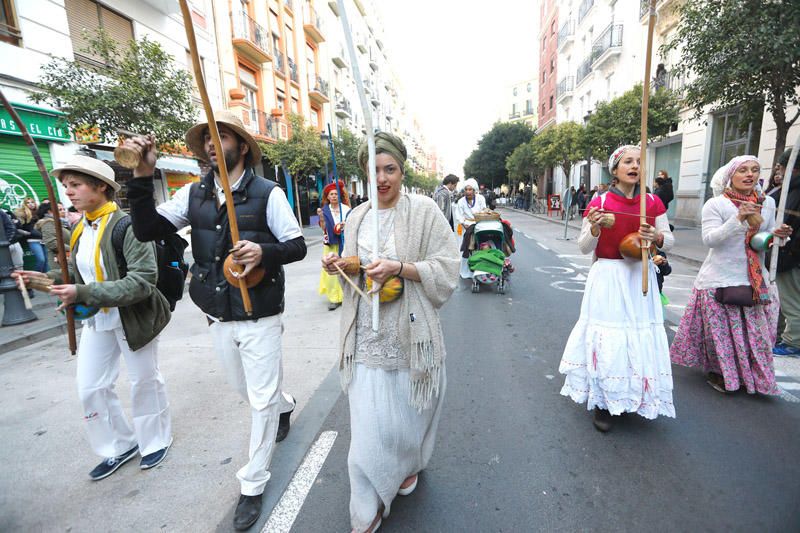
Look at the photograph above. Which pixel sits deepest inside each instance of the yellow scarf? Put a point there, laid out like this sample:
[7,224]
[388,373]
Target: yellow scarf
[105,212]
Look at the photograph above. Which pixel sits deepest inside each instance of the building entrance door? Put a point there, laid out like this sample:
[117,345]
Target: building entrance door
[669,158]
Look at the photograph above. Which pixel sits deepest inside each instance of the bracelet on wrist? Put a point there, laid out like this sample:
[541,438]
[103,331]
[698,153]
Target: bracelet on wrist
[399,272]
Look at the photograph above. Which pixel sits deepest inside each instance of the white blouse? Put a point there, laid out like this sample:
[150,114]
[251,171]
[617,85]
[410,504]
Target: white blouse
[462,211]
[107,319]
[726,262]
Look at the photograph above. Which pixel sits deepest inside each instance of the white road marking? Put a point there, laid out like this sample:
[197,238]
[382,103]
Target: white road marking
[554,270]
[285,513]
[542,245]
[549,376]
[567,256]
[789,397]
[676,306]
[528,236]
[560,285]
[789,385]
[674,328]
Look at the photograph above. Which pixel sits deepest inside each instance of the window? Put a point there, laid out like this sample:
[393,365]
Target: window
[515,91]
[551,101]
[91,16]
[249,83]
[190,69]
[552,64]
[529,87]
[544,75]
[9,30]
[543,110]
[553,28]
[315,117]
[529,107]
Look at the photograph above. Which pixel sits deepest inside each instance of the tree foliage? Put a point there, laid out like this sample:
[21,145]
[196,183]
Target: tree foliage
[487,163]
[303,153]
[138,87]
[561,145]
[346,147]
[522,164]
[741,54]
[619,121]
[422,181]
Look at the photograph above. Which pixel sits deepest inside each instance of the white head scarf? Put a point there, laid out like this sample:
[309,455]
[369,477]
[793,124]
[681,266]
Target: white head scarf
[722,177]
[472,182]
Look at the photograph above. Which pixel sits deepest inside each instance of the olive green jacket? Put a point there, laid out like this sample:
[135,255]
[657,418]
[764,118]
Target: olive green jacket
[143,310]
[47,227]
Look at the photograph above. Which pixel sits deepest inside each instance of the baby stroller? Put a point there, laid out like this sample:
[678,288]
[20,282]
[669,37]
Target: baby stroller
[488,260]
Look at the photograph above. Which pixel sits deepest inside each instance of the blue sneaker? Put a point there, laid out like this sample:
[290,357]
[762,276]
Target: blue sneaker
[153,459]
[784,350]
[110,465]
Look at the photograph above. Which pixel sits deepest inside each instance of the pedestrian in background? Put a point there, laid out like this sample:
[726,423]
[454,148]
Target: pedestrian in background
[664,188]
[617,357]
[395,378]
[730,322]
[464,215]
[47,225]
[133,313]
[788,276]
[29,235]
[443,196]
[331,219]
[14,248]
[248,345]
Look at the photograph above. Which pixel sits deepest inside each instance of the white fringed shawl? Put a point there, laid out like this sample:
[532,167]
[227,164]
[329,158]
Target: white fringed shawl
[422,237]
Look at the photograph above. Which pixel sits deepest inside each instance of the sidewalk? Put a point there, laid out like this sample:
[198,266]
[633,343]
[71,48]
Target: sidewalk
[45,458]
[52,323]
[689,245]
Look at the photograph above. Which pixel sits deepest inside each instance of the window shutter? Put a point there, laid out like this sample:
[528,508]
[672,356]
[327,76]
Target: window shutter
[82,15]
[118,27]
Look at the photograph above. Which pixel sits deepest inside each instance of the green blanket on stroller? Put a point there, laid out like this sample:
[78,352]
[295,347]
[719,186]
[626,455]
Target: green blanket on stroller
[490,261]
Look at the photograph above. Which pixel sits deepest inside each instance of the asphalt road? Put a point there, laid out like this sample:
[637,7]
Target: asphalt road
[514,455]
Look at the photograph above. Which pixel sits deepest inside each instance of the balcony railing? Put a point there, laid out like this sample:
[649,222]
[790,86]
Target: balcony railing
[565,86]
[315,83]
[586,5]
[279,65]
[566,33]
[293,74]
[289,4]
[343,108]
[313,24]
[583,70]
[610,38]
[262,123]
[248,29]
[668,80]
[513,115]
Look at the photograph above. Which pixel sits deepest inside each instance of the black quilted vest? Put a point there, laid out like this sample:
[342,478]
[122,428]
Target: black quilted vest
[211,240]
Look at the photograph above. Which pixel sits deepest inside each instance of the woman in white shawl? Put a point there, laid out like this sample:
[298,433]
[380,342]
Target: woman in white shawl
[464,215]
[395,377]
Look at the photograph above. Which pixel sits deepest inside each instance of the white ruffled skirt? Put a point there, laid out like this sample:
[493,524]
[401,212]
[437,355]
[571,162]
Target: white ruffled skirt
[390,440]
[617,356]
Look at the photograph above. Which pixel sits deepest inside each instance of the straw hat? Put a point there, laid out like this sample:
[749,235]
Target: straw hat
[91,166]
[194,137]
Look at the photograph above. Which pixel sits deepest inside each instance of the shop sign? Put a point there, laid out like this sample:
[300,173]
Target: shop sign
[40,123]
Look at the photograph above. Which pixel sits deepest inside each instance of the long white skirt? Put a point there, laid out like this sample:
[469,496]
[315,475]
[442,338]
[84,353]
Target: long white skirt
[390,440]
[617,356]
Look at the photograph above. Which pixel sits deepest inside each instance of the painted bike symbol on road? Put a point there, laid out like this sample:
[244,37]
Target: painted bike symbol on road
[570,282]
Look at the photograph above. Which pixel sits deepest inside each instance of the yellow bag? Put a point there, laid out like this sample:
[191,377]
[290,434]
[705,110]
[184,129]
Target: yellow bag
[390,291]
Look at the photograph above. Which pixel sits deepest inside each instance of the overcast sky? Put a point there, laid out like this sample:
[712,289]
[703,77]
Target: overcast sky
[455,59]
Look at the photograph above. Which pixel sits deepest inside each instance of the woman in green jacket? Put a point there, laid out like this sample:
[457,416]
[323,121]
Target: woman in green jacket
[131,314]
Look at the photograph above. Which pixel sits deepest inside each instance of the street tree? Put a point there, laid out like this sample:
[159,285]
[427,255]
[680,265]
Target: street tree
[741,54]
[561,145]
[487,163]
[619,121]
[303,153]
[135,86]
[423,181]
[346,146]
[522,164]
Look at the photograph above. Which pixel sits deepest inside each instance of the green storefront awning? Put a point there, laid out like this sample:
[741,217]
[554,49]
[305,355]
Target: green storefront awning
[41,123]
[19,175]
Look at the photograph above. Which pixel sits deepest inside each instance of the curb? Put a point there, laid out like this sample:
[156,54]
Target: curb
[690,260]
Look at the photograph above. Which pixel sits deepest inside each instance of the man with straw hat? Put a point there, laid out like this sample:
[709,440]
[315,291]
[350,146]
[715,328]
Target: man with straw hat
[248,345]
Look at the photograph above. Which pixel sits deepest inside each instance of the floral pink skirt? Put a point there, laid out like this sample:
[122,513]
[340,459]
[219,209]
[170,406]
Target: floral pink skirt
[735,342]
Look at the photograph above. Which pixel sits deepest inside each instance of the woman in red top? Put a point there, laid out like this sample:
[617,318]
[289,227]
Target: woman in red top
[617,357]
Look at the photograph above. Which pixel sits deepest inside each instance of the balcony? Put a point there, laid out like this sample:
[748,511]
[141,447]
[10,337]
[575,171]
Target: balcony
[584,9]
[564,88]
[608,45]
[318,89]
[373,60]
[294,75]
[583,71]
[334,7]
[668,80]
[251,39]
[313,25]
[339,58]
[566,34]
[279,65]
[260,123]
[361,43]
[289,5]
[342,108]
[515,115]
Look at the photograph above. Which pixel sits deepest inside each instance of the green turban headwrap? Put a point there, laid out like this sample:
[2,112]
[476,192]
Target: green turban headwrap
[385,143]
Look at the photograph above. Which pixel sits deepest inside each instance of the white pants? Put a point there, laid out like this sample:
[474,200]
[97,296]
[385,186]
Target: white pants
[110,433]
[250,351]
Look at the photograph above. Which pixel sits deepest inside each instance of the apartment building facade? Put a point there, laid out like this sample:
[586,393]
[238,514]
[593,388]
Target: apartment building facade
[520,103]
[35,32]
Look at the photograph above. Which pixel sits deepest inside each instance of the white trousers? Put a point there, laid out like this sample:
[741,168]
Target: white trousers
[250,351]
[110,433]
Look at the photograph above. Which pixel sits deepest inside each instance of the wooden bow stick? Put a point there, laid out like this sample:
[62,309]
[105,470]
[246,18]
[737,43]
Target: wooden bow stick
[51,195]
[651,24]
[351,282]
[773,265]
[214,132]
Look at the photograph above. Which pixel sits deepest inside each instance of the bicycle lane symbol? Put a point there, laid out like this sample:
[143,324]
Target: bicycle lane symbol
[574,282]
